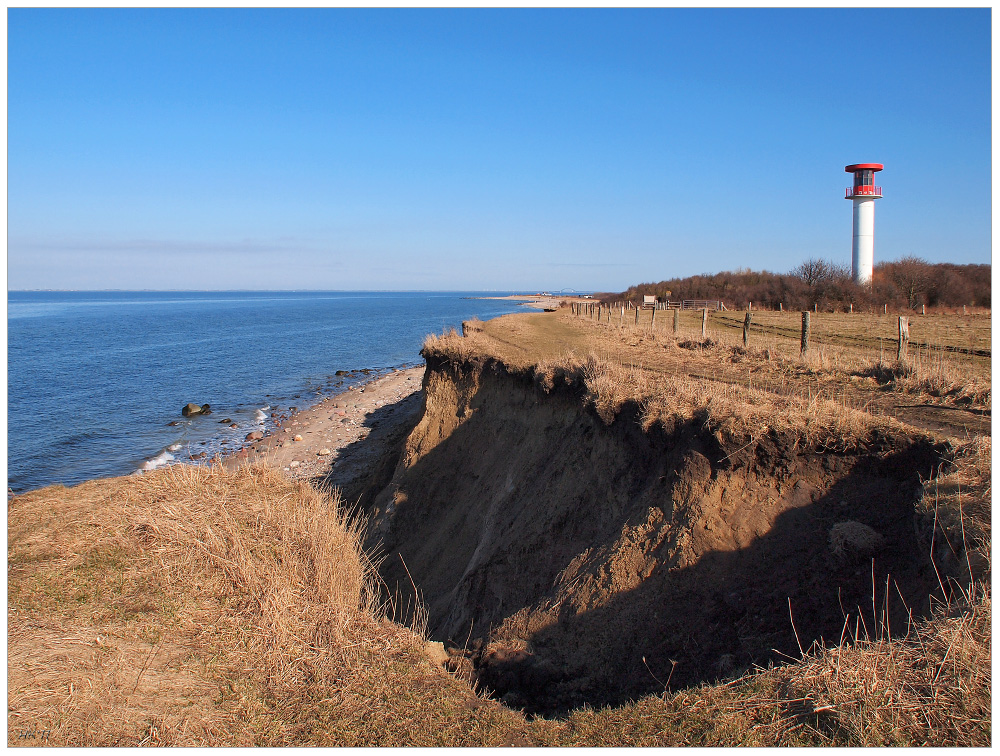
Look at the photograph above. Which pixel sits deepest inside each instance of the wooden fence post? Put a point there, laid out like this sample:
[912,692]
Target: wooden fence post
[621,318]
[746,327]
[885,309]
[804,346]
[851,306]
[637,314]
[781,307]
[677,319]
[923,309]
[704,322]
[816,307]
[963,310]
[652,320]
[904,337]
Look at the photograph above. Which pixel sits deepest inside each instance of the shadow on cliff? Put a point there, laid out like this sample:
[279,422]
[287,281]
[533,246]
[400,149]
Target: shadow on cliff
[731,610]
[364,467]
[572,562]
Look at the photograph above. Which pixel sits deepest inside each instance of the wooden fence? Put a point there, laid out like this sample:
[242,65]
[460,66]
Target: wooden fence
[813,329]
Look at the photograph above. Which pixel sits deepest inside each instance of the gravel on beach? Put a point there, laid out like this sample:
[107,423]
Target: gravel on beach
[321,442]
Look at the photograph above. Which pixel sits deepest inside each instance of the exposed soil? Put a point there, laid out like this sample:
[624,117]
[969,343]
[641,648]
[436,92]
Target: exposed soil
[565,561]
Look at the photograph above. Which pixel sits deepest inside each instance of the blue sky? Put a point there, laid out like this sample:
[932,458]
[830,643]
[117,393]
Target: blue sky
[484,149]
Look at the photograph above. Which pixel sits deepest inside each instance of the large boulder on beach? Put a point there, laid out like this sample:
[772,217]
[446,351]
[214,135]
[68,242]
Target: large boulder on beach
[196,409]
[254,436]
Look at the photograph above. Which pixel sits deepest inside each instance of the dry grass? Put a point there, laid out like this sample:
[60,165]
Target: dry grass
[219,589]
[735,411]
[454,347]
[946,362]
[931,687]
[192,606]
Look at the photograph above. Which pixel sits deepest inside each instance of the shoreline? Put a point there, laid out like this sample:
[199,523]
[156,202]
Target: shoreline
[320,441]
[547,302]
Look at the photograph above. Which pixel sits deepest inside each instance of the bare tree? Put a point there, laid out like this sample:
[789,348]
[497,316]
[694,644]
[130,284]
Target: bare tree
[815,272]
[912,276]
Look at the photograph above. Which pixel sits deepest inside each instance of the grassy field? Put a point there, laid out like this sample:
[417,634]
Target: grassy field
[960,340]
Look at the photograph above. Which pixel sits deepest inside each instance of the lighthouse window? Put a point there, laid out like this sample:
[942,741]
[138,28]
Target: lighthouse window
[863,178]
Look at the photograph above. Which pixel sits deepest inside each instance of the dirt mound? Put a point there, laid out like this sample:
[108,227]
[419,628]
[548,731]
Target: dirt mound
[574,560]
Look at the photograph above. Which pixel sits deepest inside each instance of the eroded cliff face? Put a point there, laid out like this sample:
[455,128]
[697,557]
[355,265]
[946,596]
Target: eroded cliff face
[576,561]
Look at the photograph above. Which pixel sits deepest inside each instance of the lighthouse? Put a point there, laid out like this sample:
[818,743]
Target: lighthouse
[863,193]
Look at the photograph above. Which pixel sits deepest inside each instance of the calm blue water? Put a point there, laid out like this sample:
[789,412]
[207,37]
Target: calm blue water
[94,377]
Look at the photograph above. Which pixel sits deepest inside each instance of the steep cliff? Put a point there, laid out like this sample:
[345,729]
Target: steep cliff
[579,554]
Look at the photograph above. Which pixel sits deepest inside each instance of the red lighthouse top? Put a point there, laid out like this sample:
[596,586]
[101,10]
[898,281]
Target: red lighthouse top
[864,180]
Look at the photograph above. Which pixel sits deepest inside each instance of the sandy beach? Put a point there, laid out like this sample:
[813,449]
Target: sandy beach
[321,444]
[540,301]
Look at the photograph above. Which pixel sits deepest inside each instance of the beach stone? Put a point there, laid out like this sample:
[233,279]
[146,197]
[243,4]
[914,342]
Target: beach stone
[341,372]
[297,438]
[293,463]
[324,452]
[226,421]
[173,422]
[194,409]
[234,425]
[254,436]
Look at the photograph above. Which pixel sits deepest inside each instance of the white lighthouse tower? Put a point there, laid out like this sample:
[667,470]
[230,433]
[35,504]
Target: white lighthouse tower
[864,193]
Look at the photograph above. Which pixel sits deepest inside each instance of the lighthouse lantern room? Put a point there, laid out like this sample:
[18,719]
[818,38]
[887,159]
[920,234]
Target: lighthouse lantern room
[863,193]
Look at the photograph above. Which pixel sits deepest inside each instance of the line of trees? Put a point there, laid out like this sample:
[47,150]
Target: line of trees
[903,284]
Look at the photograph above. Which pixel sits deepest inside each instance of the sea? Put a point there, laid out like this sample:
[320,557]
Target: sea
[96,380]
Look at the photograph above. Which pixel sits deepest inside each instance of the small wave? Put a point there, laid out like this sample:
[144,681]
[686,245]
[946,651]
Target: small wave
[260,416]
[265,409]
[161,459]
[174,447]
